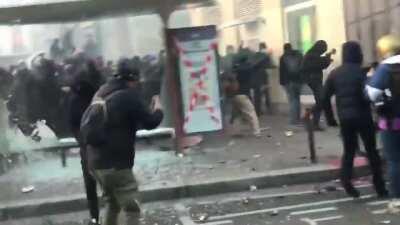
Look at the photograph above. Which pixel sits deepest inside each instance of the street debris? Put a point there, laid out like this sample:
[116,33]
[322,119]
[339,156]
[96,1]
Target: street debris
[394,207]
[28,189]
[165,148]
[253,188]
[74,151]
[253,169]
[181,155]
[278,144]
[289,133]
[221,162]
[262,129]
[330,188]
[318,189]
[256,156]
[203,217]
[385,222]
[245,201]
[231,143]
[274,213]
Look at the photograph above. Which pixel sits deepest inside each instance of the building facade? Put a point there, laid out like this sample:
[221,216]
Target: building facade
[368,20]
[276,22]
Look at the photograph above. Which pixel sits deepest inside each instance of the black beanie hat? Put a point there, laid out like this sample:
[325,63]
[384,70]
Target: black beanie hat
[127,72]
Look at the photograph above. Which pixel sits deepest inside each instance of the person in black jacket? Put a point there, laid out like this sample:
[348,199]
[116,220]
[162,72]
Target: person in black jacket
[85,82]
[260,83]
[313,65]
[347,84]
[242,105]
[290,79]
[111,163]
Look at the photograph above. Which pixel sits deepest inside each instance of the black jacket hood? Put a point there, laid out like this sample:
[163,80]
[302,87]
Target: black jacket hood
[319,48]
[352,53]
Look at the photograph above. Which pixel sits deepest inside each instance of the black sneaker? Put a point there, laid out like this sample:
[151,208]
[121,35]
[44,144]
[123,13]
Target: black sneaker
[352,192]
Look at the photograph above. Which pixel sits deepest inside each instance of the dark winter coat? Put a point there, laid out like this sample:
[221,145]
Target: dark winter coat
[314,63]
[244,75]
[290,67]
[262,62]
[85,82]
[126,114]
[347,83]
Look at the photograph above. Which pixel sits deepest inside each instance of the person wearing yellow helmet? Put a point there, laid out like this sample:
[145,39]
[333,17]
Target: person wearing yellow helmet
[384,90]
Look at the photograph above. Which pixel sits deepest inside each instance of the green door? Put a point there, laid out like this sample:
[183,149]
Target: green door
[301,28]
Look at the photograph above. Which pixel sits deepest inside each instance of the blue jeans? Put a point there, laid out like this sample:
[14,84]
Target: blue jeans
[391,146]
[293,91]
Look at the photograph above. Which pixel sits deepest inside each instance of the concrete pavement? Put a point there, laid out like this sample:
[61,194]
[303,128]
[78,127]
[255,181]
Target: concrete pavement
[220,164]
[291,205]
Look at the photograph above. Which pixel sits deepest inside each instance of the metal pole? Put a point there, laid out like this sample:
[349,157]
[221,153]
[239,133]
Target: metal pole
[171,79]
[311,138]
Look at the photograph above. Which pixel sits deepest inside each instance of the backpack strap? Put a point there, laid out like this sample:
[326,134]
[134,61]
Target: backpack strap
[101,102]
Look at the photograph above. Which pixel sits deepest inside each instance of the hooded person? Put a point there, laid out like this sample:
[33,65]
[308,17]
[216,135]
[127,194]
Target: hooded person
[111,161]
[312,69]
[384,90]
[355,115]
[84,84]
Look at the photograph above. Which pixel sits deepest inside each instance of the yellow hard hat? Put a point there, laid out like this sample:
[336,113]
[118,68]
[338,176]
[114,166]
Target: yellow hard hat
[388,45]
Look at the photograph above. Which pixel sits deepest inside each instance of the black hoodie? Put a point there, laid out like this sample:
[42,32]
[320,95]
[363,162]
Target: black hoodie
[126,114]
[314,63]
[347,84]
[85,82]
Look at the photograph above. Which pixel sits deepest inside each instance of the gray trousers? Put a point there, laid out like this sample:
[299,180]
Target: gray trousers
[121,193]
